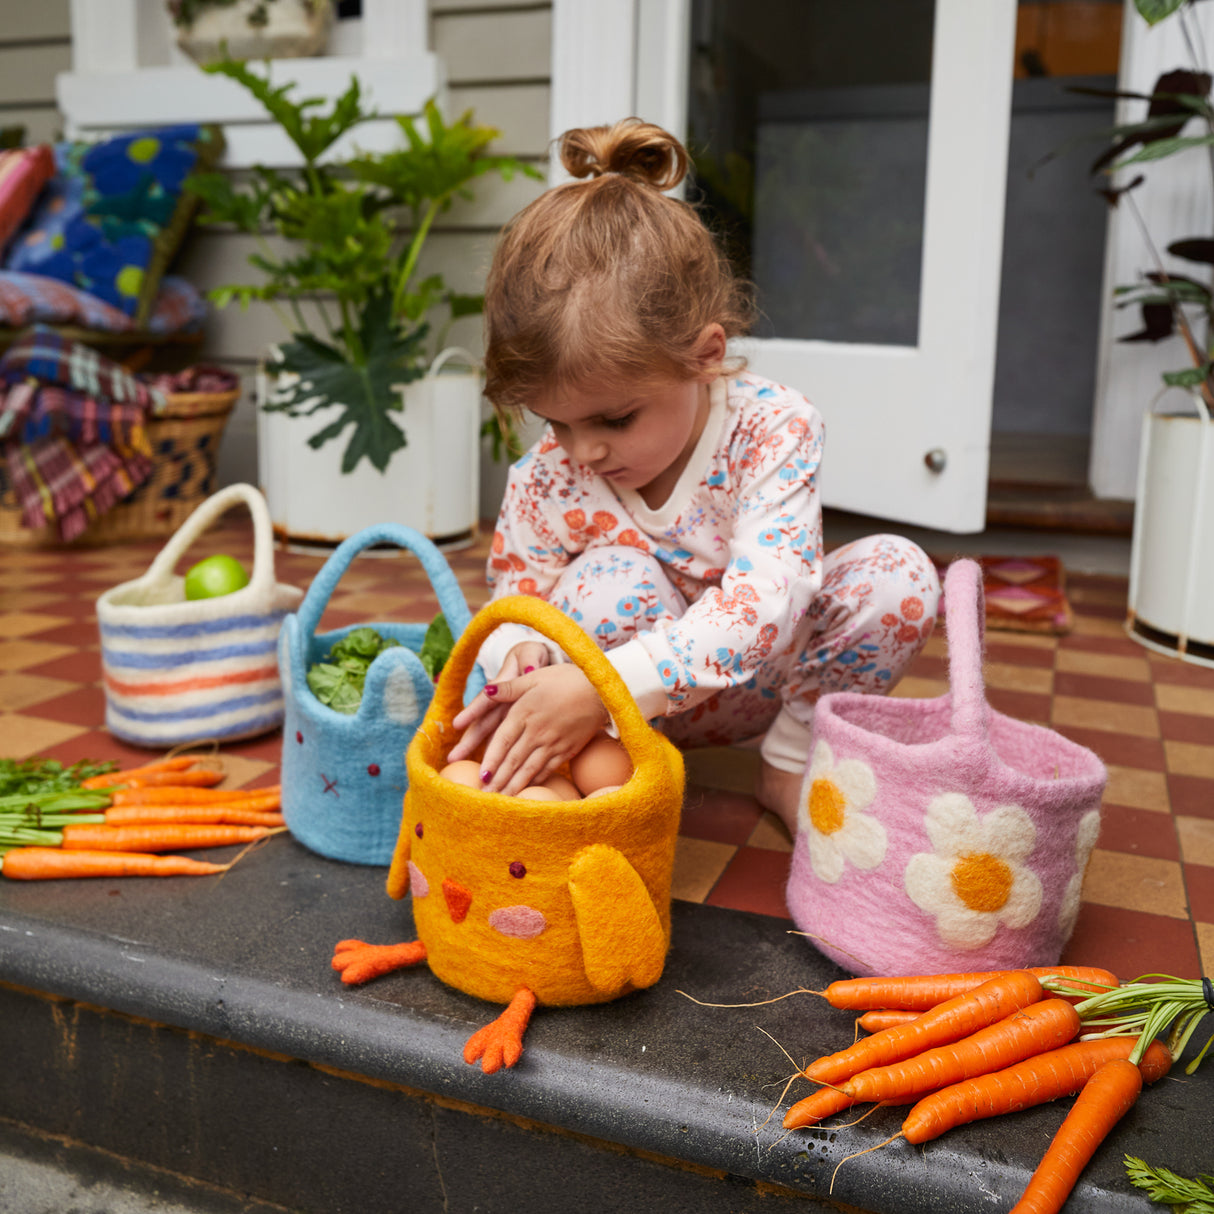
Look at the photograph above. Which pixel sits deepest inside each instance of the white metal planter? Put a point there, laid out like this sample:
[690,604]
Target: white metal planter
[1171,607]
[432,485]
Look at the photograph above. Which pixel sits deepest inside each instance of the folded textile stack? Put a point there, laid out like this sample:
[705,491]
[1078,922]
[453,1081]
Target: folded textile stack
[72,430]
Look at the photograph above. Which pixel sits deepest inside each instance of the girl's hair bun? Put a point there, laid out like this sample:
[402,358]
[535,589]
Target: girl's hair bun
[630,147]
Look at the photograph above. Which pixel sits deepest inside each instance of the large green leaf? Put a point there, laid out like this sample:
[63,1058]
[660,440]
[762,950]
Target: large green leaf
[1154,11]
[363,388]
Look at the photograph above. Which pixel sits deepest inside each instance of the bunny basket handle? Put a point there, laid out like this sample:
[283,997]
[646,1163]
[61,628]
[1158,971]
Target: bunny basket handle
[965,623]
[558,627]
[442,580]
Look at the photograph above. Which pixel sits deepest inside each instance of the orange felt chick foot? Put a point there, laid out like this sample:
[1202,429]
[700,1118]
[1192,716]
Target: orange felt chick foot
[360,962]
[501,1043]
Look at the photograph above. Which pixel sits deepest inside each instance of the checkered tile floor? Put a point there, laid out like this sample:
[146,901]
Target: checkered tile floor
[1149,893]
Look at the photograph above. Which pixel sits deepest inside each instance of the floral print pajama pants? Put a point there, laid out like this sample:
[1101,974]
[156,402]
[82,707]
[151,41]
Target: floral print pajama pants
[872,616]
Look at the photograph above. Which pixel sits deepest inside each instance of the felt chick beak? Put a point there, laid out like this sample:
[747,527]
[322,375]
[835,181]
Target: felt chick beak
[458,900]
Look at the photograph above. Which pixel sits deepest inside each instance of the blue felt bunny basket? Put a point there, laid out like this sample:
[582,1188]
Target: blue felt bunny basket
[343,775]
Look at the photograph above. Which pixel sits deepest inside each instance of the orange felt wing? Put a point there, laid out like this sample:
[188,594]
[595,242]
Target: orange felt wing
[398,873]
[623,942]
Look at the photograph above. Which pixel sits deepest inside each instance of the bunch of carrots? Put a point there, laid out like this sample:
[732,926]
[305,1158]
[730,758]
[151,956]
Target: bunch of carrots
[118,823]
[960,1047]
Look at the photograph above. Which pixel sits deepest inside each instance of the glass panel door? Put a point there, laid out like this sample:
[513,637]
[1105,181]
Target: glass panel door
[853,158]
[811,156]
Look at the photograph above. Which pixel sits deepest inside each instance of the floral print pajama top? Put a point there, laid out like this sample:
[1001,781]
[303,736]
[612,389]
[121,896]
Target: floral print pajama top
[740,537]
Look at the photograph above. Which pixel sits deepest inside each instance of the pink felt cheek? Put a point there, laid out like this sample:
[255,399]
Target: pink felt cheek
[418,885]
[522,922]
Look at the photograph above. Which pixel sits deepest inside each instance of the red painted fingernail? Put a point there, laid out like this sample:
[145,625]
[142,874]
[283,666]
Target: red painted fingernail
[486,776]
[528,669]
[490,689]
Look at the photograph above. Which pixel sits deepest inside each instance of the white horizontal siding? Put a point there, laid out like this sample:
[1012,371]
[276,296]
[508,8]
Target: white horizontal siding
[506,46]
[32,52]
[519,111]
[33,20]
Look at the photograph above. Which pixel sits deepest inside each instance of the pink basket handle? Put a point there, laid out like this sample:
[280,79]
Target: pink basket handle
[965,621]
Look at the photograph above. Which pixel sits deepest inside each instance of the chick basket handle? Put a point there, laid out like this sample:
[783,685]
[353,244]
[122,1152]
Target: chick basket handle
[262,575]
[442,579]
[557,627]
[965,622]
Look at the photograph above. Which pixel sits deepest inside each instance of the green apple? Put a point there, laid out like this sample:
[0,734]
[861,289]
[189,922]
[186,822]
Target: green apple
[219,574]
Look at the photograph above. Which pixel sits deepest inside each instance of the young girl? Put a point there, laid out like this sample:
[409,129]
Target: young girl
[671,506]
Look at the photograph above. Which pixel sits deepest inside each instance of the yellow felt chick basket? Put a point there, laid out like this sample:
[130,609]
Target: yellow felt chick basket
[523,902]
[570,899]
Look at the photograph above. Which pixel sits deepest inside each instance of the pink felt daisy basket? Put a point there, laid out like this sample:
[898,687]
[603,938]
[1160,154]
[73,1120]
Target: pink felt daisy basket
[940,835]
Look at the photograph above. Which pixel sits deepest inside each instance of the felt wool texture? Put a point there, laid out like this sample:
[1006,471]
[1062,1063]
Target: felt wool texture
[568,899]
[343,774]
[940,835]
[180,671]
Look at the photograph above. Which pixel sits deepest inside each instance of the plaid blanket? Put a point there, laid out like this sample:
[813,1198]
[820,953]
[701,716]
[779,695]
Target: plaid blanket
[68,486]
[72,429]
[51,358]
[30,411]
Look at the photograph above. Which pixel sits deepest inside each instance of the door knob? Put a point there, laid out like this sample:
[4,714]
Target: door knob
[936,459]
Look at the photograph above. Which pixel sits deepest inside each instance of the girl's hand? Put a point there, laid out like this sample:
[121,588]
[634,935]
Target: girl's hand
[551,714]
[480,718]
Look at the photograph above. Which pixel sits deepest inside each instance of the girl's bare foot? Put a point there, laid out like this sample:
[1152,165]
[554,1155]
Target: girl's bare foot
[780,792]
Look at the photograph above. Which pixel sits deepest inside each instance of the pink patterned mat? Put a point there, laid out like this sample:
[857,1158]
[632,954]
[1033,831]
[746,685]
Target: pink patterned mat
[1023,594]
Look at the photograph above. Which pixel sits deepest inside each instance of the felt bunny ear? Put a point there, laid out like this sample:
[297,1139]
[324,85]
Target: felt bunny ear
[623,944]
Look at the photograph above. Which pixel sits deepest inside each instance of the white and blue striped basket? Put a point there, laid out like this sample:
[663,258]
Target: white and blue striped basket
[179,671]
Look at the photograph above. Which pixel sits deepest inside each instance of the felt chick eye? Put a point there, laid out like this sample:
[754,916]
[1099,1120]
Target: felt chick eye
[583,914]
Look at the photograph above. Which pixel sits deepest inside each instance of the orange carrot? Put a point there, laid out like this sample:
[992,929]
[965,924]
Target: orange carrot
[135,815]
[948,1021]
[45,863]
[819,1105]
[918,994]
[1100,1105]
[271,804]
[885,1018]
[1031,1030]
[194,796]
[153,838]
[201,777]
[113,778]
[1036,1080]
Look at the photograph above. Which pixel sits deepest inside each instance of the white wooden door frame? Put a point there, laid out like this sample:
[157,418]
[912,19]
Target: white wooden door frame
[887,408]
[1175,201]
[614,59]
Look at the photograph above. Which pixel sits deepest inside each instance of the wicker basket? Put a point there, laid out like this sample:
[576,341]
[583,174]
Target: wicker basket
[185,439]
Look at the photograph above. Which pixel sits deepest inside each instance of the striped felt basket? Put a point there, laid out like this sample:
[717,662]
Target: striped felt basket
[185,671]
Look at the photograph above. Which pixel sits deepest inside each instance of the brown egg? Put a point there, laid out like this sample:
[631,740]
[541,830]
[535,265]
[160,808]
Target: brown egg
[537,792]
[598,792]
[463,771]
[600,762]
[565,790]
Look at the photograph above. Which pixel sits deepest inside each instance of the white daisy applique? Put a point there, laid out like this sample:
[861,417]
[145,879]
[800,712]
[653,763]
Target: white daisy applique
[837,829]
[1068,912]
[976,878]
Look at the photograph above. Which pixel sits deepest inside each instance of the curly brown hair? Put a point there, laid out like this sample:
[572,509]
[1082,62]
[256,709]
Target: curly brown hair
[606,274]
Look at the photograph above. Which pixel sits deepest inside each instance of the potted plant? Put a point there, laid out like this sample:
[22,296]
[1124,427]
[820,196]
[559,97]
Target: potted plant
[363,323]
[1171,597]
[211,30]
